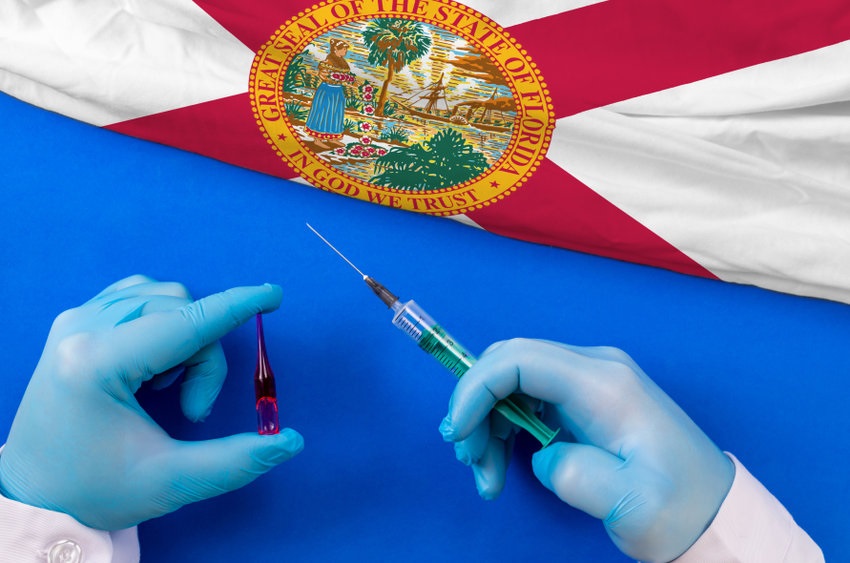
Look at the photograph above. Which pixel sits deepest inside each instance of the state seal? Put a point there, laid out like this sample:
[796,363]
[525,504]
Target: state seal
[424,105]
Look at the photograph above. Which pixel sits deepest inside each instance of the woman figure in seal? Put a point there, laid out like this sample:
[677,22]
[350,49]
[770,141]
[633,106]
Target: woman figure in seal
[327,112]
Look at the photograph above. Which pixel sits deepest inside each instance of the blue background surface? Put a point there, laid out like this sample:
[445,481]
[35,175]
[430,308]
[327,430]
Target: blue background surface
[764,374]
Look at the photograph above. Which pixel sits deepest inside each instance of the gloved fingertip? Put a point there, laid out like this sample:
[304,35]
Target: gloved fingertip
[294,439]
[285,446]
[463,454]
[542,464]
[277,295]
[488,494]
[448,431]
[204,416]
[194,409]
[487,488]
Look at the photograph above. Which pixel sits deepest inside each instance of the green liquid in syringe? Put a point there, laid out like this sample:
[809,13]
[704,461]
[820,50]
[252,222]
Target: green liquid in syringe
[457,360]
[452,355]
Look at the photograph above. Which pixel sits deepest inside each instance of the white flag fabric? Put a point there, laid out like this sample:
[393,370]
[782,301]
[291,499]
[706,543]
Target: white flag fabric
[750,170]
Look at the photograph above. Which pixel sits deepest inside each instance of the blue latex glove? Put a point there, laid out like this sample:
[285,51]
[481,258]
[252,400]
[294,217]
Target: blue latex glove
[634,459]
[81,444]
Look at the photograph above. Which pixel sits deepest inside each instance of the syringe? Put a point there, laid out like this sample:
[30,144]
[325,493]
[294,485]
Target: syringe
[433,339]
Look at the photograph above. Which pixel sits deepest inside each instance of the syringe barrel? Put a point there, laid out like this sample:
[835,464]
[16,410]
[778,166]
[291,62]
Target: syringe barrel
[431,337]
[417,324]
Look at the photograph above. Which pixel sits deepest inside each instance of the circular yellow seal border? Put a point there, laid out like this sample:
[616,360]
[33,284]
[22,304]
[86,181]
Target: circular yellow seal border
[532,129]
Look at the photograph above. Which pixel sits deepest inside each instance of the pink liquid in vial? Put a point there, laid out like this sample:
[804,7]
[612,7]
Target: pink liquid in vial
[264,388]
[267,421]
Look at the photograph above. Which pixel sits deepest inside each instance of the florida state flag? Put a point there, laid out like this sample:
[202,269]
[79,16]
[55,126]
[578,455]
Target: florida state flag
[707,137]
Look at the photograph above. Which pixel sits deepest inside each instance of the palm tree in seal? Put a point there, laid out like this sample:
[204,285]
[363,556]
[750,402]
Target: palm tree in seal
[444,160]
[394,43]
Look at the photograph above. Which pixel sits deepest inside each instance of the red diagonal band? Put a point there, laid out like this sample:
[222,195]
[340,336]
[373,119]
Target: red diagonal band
[620,49]
[223,129]
[556,209]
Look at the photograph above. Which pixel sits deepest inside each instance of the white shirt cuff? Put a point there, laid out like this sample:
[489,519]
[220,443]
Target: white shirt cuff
[752,527]
[36,535]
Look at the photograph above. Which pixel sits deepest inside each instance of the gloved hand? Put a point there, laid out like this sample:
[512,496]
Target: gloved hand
[81,444]
[634,459]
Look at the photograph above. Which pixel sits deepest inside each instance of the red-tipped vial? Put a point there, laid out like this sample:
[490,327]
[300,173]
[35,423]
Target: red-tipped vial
[264,388]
